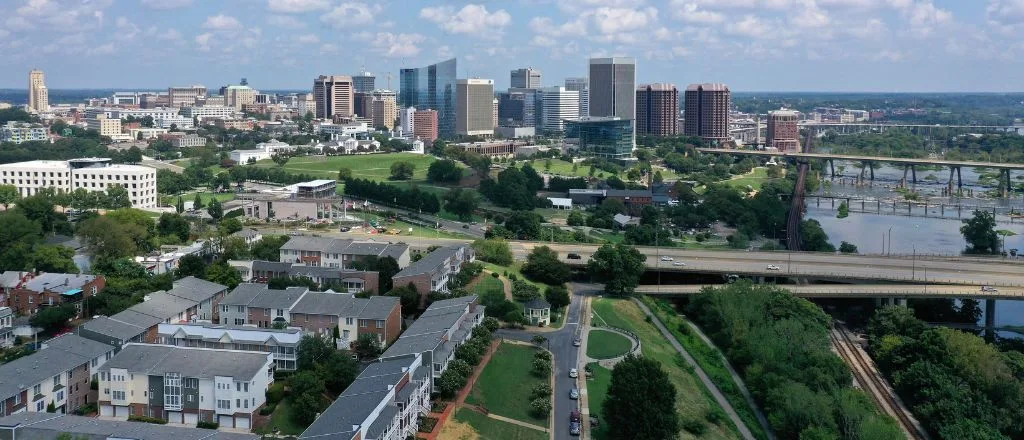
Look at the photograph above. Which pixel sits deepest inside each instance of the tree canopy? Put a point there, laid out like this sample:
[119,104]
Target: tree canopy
[619,267]
[980,233]
[640,401]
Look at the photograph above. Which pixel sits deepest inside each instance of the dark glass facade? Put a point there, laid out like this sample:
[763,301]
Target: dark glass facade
[605,137]
[431,87]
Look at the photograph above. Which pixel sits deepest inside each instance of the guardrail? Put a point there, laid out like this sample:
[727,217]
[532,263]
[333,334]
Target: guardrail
[854,293]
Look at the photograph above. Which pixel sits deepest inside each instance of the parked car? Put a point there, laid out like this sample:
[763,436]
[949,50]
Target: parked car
[575,416]
[574,394]
[573,256]
[773,267]
[577,342]
[574,428]
[573,373]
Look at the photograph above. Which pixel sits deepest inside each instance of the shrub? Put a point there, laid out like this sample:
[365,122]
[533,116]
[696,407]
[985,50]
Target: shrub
[491,323]
[695,427]
[275,393]
[267,409]
[541,367]
[144,419]
[715,416]
[540,390]
[542,354]
[494,274]
[207,425]
[540,407]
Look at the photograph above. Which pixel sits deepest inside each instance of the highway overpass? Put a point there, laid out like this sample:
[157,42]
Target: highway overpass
[858,158]
[900,291]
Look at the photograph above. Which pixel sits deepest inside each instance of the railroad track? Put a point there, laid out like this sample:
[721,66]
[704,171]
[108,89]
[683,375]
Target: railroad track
[871,381]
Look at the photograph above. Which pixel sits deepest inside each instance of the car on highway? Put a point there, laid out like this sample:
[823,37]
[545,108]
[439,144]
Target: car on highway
[577,342]
[573,256]
[773,267]
[679,264]
[574,428]
[574,394]
[988,289]
[573,373]
[666,258]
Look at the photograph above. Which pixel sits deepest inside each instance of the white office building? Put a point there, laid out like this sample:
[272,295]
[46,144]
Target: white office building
[406,117]
[557,105]
[106,126]
[93,174]
[209,111]
[180,122]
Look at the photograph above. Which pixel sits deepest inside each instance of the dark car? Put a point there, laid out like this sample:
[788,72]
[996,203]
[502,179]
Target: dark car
[573,256]
[575,416]
[574,428]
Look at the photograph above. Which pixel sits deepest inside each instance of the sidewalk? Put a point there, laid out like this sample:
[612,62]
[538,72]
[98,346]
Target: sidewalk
[460,398]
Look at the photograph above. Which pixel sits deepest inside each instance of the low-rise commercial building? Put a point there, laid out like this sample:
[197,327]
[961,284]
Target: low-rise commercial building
[433,272]
[46,426]
[59,373]
[188,141]
[608,137]
[281,343]
[92,174]
[185,385]
[105,126]
[337,252]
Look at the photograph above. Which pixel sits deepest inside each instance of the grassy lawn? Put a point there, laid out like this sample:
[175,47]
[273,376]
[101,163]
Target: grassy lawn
[709,359]
[508,271]
[610,237]
[492,429]
[205,196]
[597,389]
[402,228]
[505,385]
[365,166]
[282,419]
[692,401]
[755,178]
[602,344]
[489,285]
[563,168]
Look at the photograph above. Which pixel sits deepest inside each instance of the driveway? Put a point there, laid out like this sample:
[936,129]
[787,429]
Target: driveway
[566,357]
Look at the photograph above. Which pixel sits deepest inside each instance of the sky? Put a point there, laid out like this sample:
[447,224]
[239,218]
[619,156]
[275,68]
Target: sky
[751,45]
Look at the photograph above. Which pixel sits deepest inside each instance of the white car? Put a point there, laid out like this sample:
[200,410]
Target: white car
[666,258]
[679,263]
[573,373]
[773,267]
[988,289]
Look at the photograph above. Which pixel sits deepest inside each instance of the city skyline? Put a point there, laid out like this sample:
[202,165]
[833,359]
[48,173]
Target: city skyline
[753,45]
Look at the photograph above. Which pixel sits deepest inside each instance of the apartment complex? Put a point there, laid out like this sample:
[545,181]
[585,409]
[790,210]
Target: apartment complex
[185,385]
[474,106]
[60,372]
[109,127]
[783,131]
[314,312]
[558,105]
[333,96]
[612,86]
[38,94]
[93,174]
[53,289]
[179,97]
[281,343]
[431,87]
[18,132]
[209,111]
[526,78]
[433,271]
[706,111]
[338,252]
[425,125]
[335,278]
[237,97]
[657,110]
[46,426]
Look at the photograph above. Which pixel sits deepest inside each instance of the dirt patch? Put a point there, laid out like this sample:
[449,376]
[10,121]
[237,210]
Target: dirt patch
[456,430]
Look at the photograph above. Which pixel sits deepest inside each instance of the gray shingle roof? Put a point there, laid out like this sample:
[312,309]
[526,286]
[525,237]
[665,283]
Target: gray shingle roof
[10,278]
[61,354]
[247,233]
[324,303]
[426,333]
[117,329]
[58,282]
[164,305]
[344,246]
[47,426]
[538,303]
[378,307]
[430,262]
[190,362]
[196,289]
[244,294]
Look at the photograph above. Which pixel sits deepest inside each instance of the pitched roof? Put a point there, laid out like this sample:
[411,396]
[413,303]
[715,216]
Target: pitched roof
[259,295]
[538,303]
[42,425]
[59,355]
[204,363]
[431,262]
[196,289]
[246,233]
[237,334]
[378,307]
[58,282]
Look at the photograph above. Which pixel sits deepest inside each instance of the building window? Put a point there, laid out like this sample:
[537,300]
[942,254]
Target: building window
[362,323]
[40,406]
[117,395]
[348,321]
[56,380]
[223,404]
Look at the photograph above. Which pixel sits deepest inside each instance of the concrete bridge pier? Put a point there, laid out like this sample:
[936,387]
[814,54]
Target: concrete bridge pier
[902,302]
[959,183]
[832,166]
[990,318]
[949,184]
[903,181]
[913,174]
[871,167]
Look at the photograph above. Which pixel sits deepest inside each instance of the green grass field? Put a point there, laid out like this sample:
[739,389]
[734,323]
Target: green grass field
[493,429]
[603,344]
[563,168]
[489,285]
[597,390]
[282,419]
[505,385]
[692,401]
[365,166]
[754,179]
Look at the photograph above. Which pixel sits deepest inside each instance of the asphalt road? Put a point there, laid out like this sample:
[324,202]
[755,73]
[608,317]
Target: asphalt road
[861,291]
[566,357]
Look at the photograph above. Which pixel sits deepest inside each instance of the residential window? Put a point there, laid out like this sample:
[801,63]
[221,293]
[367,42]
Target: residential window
[60,395]
[362,323]
[40,406]
[37,390]
[56,380]
[117,395]
[348,321]
[380,323]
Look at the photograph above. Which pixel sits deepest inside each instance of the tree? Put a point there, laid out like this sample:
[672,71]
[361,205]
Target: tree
[847,248]
[494,250]
[54,317]
[641,401]
[543,265]
[980,233]
[461,203]
[40,208]
[106,238]
[523,291]
[402,170]
[180,206]
[444,171]
[576,218]
[409,297]
[344,174]
[524,225]
[230,225]
[311,351]
[814,238]
[338,371]
[234,248]
[367,346]
[269,248]
[53,258]
[117,198]
[197,203]
[557,296]
[280,159]
[173,224]
[619,266]
[191,266]
[307,396]
[222,273]
[8,195]
[215,209]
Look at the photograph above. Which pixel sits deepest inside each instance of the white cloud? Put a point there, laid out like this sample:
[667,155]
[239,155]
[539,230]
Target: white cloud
[445,52]
[544,26]
[203,40]
[308,39]
[749,26]
[616,20]
[542,40]
[811,16]
[870,29]
[691,13]
[167,4]
[221,22]
[170,35]
[60,15]
[103,49]
[471,19]
[681,51]
[1005,11]
[397,45]
[4,33]
[892,56]
[291,6]
[351,14]
[924,17]
[285,21]
[328,48]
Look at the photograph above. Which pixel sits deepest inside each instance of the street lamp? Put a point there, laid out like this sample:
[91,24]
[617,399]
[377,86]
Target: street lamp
[889,251]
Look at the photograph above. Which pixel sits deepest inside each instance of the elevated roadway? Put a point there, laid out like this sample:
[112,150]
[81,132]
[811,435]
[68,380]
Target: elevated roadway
[900,291]
[858,158]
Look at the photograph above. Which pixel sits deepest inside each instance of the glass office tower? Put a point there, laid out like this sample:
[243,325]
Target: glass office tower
[431,87]
[608,137]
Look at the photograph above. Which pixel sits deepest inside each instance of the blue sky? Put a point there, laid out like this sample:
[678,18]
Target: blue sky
[752,45]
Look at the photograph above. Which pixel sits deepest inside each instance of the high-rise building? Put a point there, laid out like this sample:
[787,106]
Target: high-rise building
[333,95]
[431,87]
[38,95]
[657,110]
[110,127]
[494,112]
[580,85]
[783,131]
[385,108]
[526,78]
[518,108]
[239,96]
[363,104]
[407,117]
[179,97]
[558,105]
[424,125]
[706,111]
[474,101]
[305,104]
[613,87]
[364,82]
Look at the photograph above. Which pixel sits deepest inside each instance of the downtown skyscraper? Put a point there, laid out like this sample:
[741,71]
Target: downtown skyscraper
[38,94]
[334,96]
[613,87]
[431,87]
